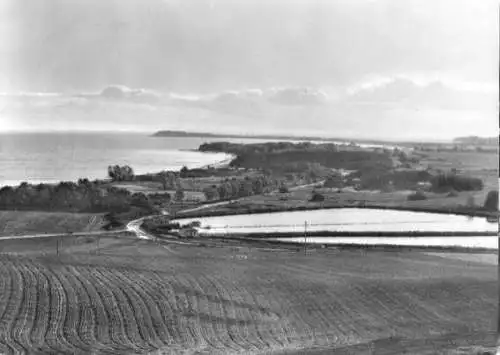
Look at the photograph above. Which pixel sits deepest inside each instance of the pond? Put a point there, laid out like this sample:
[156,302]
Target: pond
[465,242]
[343,220]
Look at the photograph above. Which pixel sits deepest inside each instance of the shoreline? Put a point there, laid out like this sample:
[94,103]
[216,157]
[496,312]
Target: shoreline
[16,183]
[281,243]
[479,214]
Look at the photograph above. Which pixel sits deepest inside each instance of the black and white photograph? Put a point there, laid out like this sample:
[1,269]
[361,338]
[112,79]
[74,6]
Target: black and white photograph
[258,177]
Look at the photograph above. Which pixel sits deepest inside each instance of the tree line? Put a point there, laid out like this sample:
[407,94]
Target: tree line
[234,188]
[83,196]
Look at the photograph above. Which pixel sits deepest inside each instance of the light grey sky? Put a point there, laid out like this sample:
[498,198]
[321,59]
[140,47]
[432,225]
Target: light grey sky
[194,45]
[395,55]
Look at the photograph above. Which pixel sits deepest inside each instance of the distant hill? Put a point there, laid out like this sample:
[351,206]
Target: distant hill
[475,140]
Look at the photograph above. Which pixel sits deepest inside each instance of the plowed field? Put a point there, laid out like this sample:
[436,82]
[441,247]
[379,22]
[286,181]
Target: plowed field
[138,297]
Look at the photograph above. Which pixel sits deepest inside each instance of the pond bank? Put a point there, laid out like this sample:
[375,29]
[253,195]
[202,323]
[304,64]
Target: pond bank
[247,210]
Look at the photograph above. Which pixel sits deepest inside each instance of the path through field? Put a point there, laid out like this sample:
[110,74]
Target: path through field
[135,297]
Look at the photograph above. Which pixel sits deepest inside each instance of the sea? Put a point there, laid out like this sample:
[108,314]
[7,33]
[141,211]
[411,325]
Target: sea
[51,157]
[68,156]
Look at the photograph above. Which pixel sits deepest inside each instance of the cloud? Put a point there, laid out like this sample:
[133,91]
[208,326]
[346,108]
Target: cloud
[121,92]
[298,96]
[231,113]
[214,45]
[407,92]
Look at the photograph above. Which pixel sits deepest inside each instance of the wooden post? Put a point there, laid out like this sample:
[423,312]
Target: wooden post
[57,246]
[98,240]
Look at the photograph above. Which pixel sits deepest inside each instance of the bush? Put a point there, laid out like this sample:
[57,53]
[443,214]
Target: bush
[316,197]
[452,193]
[417,196]
[447,181]
[283,190]
[333,181]
[491,202]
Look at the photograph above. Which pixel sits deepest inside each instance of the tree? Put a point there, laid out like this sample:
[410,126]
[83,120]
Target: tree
[317,197]
[245,188]
[283,189]
[222,191]
[417,196]
[140,200]
[120,173]
[168,180]
[491,202]
[210,193]
[258,186]
[183,172]
[179,194]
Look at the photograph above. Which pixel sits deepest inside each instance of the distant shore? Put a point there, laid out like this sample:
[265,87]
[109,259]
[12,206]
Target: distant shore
[217,164]
[181,134]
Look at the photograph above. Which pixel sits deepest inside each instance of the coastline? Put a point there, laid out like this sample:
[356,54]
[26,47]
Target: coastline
[218,164]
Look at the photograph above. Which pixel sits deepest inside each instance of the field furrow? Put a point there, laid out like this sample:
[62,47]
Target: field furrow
[118,326]
[6,289]
[13,308]
[5,286]
[141,315]
[106,320]
[148,310]
[55,335]
[41,310]
[189,314]
[137,299]
[180,306]
[212,331]
[368,318]
[128,311]
[71,328]
[160,287]
[95,314]
[86,310]
[259,331]
[25,318]
[234,318]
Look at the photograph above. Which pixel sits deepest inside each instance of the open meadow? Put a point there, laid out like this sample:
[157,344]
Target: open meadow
[473,164]
[117,294]
[38,222]
[481,165]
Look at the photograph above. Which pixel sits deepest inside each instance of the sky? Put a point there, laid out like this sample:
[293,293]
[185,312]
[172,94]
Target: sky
[414,59]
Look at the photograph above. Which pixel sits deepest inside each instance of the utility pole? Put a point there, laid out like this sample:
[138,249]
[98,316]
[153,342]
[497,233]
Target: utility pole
[305,237]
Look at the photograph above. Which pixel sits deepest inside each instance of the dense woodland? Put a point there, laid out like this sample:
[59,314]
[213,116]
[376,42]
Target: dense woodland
[233,188]
[282,157]
[371,169]
[84,196]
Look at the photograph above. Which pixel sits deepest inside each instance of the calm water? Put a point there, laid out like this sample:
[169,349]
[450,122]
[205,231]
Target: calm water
[355,219]
[467,242]
[52,157]
[344,219]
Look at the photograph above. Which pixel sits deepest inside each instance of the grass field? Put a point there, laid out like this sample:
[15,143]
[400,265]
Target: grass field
[34,222]
[480,165]
[134,296]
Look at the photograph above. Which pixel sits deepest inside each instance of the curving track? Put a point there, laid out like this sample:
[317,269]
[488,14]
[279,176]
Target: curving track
[201,300]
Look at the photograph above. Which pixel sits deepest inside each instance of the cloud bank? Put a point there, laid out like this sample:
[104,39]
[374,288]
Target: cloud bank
[393,108]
